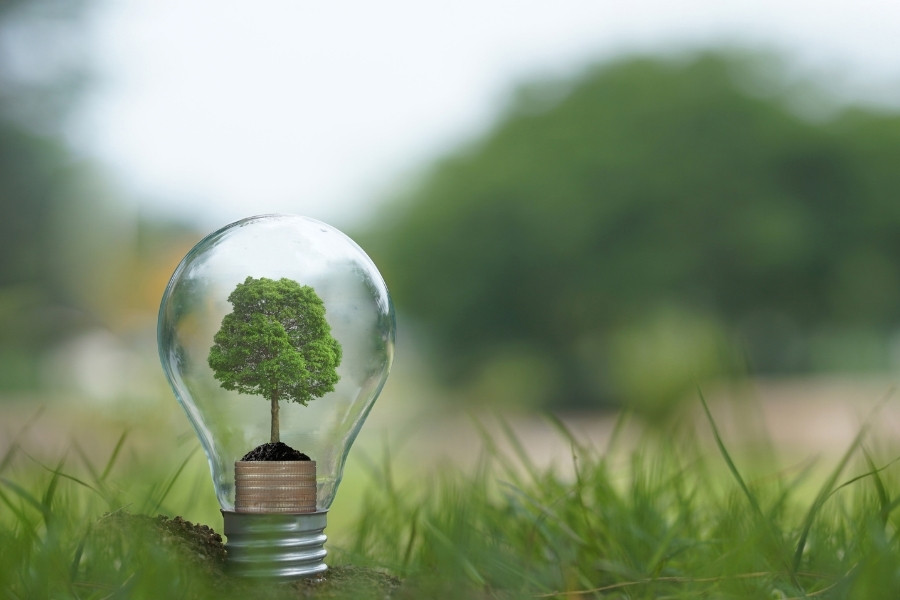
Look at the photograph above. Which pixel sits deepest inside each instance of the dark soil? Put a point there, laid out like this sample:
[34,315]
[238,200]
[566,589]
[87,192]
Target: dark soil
[204,543]
[196,545]
[276,451]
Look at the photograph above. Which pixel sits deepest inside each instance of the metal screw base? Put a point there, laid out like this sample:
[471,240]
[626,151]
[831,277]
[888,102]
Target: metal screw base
[275,545]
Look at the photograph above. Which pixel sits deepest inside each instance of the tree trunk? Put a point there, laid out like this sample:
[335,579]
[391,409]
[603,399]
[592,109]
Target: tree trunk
[276,426]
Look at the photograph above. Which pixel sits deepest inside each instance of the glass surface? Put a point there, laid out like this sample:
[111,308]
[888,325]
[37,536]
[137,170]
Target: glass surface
[357,307]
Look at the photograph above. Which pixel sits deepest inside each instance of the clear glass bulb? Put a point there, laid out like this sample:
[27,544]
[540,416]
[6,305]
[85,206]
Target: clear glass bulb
[358,309]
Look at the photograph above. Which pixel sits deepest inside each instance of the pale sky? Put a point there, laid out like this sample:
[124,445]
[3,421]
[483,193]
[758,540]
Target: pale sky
[214,110]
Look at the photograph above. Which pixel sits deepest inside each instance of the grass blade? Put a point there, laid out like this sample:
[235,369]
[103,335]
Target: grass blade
[79,552]
[883,498]
[825,492]
[805,471]
[493,452]
[547,513]
[27,497]
[57,472]
[874,472]
[765,523]
[728,461]
[519,450]
[563,429]
[413,535]
[21,517]
[9,456]
[14,446]
[115,455]
[173,479]
[462,560]
[50,492]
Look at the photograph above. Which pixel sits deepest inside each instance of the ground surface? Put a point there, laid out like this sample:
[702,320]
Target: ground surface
[203,549]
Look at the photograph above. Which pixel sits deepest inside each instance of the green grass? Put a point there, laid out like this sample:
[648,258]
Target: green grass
[672,516]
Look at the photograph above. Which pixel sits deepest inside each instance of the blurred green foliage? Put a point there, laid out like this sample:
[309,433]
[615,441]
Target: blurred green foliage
[38,176]
[74,256]
[649,224]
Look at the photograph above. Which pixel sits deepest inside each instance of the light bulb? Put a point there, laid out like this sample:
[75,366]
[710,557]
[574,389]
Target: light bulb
[299,252]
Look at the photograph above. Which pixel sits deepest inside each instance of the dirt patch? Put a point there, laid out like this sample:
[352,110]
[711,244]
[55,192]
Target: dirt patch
[198,546]
[276,451]
[347,581]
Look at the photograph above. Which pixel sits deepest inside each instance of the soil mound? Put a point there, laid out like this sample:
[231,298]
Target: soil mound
[276,451]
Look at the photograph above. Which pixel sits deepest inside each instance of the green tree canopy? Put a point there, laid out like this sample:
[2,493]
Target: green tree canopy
[607,211]
[276,344]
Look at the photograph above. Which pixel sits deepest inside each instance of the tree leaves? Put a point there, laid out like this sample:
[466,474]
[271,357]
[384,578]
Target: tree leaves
[653,190]
[276,343]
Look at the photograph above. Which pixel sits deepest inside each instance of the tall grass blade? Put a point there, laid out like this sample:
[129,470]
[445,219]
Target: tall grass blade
[874,473]
[617,432]
[50,492]
[768,525]
[468,568]
[79,552]
[519,450]
[563,429]
[492,451]
[57,472]
[87,462]
[825,492]
[751,498]
[8,456]
[413,535]
[27,497]
[20,515]
[173,479]
[15,446]
[791,487]
[547,513]
[115,455]
[883,498]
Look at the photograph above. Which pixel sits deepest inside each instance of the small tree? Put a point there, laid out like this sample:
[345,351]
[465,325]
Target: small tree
[276,344]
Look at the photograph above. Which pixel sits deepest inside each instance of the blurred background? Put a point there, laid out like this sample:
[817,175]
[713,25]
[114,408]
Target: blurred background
[578,206]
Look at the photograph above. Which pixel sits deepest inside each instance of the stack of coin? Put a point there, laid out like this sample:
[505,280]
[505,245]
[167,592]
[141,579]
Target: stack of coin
[283,486]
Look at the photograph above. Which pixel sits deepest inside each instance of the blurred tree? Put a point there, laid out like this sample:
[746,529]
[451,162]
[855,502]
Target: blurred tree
[41,67]
[74,259]
[626,222]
